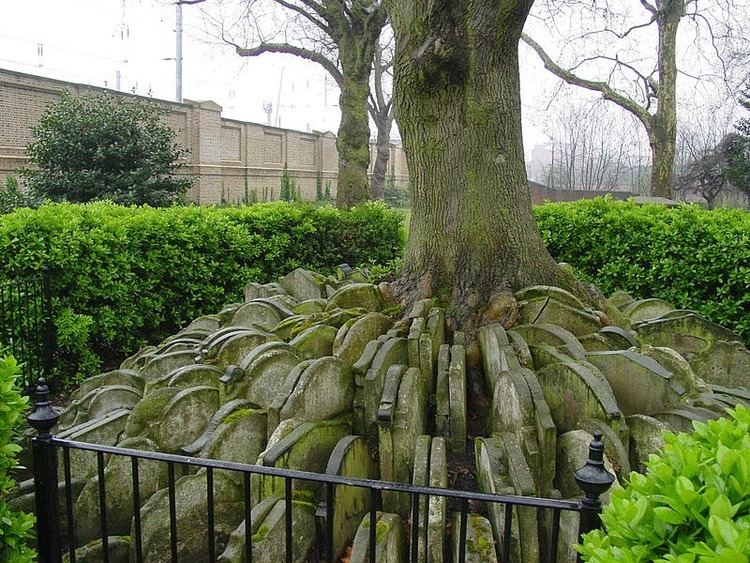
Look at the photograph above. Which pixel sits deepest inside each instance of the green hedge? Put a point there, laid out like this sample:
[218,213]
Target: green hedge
[122,276]
[691,257]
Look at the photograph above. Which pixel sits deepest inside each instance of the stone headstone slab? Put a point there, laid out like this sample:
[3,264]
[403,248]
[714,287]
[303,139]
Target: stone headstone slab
[213,342]
[256,291]
[522,481]
[537,292]
[498,355]
[421,308]
[324,390]
[408,422]
[551,311]
[129,377]
[361,332]
[618,338]
[390,541]
[146,415]
[544,355]
[258,313]
[342,332]
[264,370]
[292,326]
[110,398]
[724,363]
[457,414]
[235,549]
[437,506]
[546,436]
[394,351]
[491,460]
[198,375]
[310,306]
[274,412]
[180,345]
[421,477]
[577,391]
[418,325]
[616,448]
[303,285]
[139,359]
[103,431]
[683,377]
[552,335]
[689,334]
[238,406]
[285,302]
[572,452]
[521,348]
[192,518]
[227,312]
[118,481]
[640,384]
[350,458]
[442,392]
[185,418]
[160,366]
[646,438]
[352,295]
[512,406]
[682,419]
[118,551]
[234,348]
[596,342]
[212,323]
[307,448]
[644,309]
[620,299]
[480,544]
[315,342]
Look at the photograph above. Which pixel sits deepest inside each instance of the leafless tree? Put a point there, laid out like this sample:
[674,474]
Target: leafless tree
[342,36]
[633,45]
[380,107]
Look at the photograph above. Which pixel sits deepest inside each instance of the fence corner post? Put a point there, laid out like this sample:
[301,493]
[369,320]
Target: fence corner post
[47,503]
[594,480]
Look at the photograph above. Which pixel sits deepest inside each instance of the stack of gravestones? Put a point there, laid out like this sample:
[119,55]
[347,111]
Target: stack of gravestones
[312,373]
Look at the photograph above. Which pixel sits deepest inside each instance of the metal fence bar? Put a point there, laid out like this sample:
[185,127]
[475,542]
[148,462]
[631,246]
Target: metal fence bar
[592,478]
[69,506]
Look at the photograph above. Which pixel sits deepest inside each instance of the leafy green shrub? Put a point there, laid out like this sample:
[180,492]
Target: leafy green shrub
[97,146]
[122,276]
[693,503]
[11,196]
[691,257]
[15,527]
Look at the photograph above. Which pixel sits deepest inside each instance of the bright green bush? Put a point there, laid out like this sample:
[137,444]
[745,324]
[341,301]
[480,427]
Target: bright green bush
[692,505]
[691,257]
[15,527]
[123,276]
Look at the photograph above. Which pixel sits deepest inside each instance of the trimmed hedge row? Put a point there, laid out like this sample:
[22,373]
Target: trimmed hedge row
[122,276]
[691,257]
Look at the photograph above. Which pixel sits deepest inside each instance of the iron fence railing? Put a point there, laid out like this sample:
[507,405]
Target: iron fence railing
[592,478]
[26,327]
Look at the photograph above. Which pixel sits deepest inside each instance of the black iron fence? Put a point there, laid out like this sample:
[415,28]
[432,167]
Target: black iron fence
[26,327]
[592,478]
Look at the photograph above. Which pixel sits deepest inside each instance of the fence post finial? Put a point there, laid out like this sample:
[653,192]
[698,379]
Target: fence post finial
[43,417]
[46,501]
[594,480]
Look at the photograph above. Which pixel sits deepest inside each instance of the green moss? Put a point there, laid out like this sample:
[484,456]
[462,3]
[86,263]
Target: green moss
[381,531]
[239,414]
[261,533]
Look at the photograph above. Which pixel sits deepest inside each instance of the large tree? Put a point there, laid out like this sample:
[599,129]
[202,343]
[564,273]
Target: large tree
[341,36]
[381,111]
[458,107]
[628,52]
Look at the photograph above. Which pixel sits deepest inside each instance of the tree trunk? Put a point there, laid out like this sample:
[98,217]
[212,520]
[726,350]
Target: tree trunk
[458,107]
[663,137]
[353,143]
[380,169]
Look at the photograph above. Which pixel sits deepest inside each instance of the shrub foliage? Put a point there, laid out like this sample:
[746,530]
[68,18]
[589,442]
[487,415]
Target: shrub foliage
[693,258]
[693,503]
[124,276]
[97,146]
[15,527]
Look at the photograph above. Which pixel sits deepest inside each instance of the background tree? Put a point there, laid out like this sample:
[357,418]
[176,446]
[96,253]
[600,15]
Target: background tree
[640,65]
[738,167]
[340,35]
[457,99]
[380,107]
[706,174]
[97,146]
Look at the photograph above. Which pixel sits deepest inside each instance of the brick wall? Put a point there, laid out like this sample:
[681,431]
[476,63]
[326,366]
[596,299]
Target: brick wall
[229,159]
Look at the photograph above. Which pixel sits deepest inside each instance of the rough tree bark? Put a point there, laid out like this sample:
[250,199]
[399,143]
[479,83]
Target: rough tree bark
[381,111]
[660,126]
[343,38]
[458,107]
